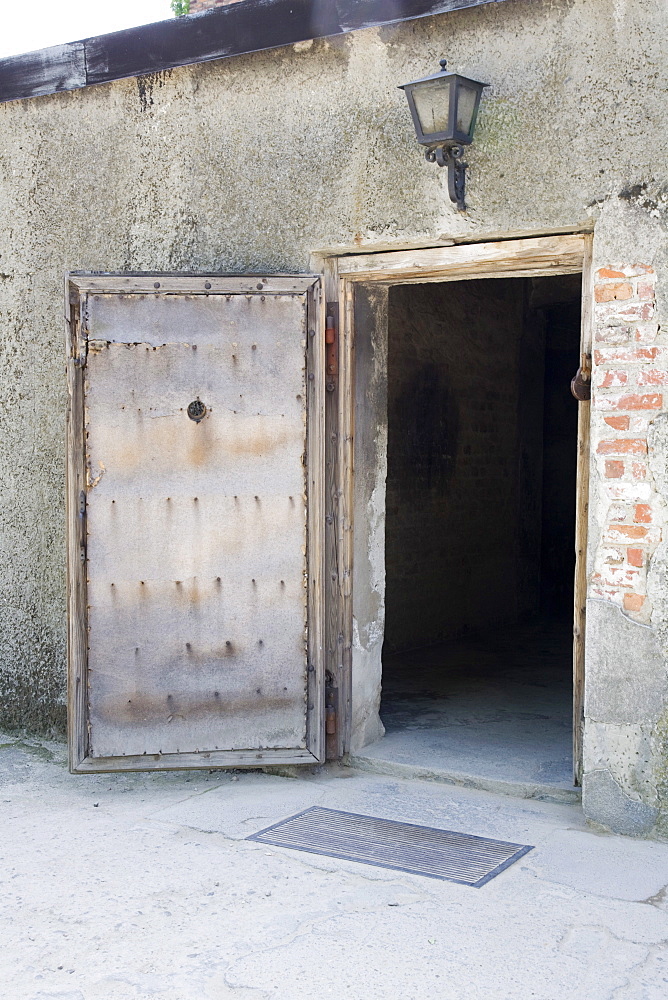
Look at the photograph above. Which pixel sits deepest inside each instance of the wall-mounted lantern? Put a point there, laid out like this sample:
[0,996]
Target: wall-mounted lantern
[444,109]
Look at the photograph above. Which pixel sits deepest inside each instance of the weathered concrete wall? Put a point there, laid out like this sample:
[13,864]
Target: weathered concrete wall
[255,162]
[370,463]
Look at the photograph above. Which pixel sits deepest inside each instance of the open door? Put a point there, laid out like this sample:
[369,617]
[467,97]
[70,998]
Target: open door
[195,478]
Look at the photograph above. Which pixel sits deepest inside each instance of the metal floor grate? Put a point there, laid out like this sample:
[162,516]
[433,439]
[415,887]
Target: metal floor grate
[404,847]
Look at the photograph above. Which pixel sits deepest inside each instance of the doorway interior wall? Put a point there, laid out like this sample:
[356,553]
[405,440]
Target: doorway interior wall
[359,286]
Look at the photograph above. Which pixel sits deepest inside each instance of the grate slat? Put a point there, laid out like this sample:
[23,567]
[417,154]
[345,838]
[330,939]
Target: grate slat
[386,843]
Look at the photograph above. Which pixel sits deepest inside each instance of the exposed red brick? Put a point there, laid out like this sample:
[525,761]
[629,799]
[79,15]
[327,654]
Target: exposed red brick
[639,422]
[619,512]
[633,602]
[639,470]
[646,332]
[619,576]
[646,290]
[619,313]
[618,423]
[643,514]
[612,556]
[623,446]
[607,272]
[648,401]
[635,557]
[639,313]
[619,531]
[613,469]
[613,292]
[607,594]
[609,379]
[639,269]
[614,334]
[635,270]
[653,377]
[624,490]
[609,355]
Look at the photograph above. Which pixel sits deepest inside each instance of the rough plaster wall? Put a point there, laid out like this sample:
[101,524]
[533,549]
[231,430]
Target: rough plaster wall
[253,163]
[457,488]
[625,699]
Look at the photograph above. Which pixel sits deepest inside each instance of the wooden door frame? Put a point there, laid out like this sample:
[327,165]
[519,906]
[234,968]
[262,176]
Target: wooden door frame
[78,286]
[537,256]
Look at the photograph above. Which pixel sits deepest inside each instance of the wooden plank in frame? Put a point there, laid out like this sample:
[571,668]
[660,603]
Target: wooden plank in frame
[582,523]
[315,444]
[505,258]
[77,635]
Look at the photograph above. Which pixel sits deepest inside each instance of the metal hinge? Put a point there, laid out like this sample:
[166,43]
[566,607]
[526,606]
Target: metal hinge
[331,717]
[80,360]
[78,329]
[82,514]
[331,346]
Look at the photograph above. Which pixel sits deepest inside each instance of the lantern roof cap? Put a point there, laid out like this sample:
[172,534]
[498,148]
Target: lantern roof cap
[443,75]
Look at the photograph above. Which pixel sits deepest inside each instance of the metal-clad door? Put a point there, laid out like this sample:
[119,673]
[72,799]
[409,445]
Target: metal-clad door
[195,479]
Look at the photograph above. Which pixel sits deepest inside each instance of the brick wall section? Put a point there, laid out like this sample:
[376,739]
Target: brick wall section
[630,382]
[196,6]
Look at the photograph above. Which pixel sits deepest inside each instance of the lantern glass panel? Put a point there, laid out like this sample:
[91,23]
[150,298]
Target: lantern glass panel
[432,104]
[466,106]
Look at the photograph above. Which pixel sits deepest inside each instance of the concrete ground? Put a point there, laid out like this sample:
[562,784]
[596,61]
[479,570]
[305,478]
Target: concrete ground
[142,887]
[491,711]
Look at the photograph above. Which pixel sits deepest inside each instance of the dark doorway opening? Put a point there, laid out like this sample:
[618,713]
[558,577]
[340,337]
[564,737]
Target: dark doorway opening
[480,528]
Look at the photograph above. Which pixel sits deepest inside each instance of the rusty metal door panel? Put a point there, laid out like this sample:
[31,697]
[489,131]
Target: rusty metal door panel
[199,485]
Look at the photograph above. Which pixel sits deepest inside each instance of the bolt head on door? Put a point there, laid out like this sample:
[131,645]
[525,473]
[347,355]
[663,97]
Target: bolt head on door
[197,410]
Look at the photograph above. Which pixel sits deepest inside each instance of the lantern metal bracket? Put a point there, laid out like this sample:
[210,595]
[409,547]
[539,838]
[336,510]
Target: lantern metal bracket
[450,155]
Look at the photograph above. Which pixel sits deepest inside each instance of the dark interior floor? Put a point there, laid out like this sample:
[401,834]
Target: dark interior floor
[497,706]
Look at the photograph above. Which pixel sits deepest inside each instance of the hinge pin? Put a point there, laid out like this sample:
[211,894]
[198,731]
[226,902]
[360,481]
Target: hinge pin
[331,352]
[330,724]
